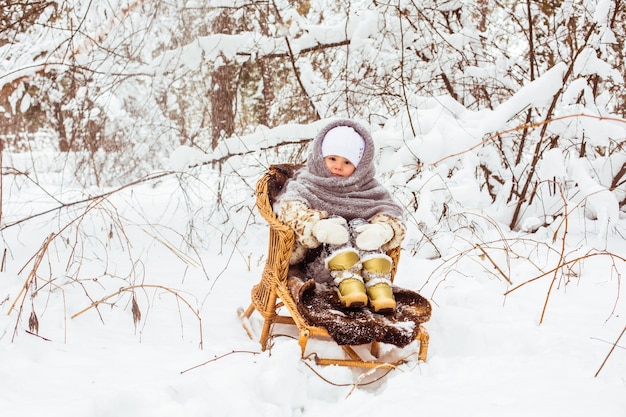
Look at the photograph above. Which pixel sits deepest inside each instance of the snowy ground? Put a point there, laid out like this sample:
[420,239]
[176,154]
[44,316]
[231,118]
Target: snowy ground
[488,356]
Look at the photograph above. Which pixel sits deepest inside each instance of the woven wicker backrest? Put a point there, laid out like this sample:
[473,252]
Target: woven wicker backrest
[279,174]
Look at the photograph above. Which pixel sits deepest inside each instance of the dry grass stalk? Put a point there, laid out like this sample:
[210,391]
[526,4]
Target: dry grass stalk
[495,265]
[132,289]
[611,351]
[28,283]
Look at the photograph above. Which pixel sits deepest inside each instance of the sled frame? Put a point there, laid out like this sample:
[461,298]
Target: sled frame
[272,291]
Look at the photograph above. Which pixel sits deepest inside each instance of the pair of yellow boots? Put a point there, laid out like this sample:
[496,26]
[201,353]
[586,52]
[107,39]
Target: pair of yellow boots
[363,281]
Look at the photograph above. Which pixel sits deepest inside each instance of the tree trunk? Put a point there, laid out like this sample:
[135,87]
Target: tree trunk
[222,93]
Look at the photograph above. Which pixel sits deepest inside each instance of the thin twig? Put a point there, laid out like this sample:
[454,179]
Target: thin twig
[218,358]
[345,385]
[36,335]
[526,126]
[33,273]
[565,263]
[87,200]
[369,372]
[494,264]
[143,286]
[561,253]
[611,351]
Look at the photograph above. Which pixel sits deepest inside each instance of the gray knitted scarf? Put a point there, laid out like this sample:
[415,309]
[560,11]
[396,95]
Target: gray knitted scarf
[357,196]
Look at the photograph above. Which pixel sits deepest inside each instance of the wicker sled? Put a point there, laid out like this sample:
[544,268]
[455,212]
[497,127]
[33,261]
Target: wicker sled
[315,309]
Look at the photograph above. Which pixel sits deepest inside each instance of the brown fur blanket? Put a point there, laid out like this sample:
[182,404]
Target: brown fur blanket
[320,306]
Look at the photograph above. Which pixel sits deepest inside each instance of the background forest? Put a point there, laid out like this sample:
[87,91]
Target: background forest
[119,85]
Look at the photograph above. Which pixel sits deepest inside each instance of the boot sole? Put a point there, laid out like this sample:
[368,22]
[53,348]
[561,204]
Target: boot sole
[346,303]
[386,308]
[354,305]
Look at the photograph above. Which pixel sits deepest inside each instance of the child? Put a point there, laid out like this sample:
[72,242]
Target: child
[335,202]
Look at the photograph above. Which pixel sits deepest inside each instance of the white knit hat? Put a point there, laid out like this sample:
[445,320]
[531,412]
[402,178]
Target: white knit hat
[344,141]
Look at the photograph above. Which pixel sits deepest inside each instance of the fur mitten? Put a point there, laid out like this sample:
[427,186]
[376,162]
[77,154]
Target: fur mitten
[399,230]
[332,231]
[372,236]
[301,220]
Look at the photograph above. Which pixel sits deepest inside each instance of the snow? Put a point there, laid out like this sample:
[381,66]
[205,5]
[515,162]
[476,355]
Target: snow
[185,156]
[490,354]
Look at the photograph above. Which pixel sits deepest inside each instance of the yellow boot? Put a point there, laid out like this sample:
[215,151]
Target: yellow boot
[377,274]
[344,267]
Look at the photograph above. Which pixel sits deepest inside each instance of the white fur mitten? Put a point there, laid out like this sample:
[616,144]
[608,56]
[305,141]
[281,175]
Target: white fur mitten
[332,231]
[372,236]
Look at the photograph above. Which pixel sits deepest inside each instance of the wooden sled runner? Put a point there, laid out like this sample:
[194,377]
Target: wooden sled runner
[315,309]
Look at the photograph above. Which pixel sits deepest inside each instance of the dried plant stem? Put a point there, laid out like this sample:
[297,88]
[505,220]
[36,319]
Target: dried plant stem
[561,253]
[564,263]
[527,126]
[387,371]
[611,351]
[218,358]
[495,265]
[369,372]
[90,199]
[131,288]
[38,257]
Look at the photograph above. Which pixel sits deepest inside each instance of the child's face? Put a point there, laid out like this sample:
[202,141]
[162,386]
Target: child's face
[339,166]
